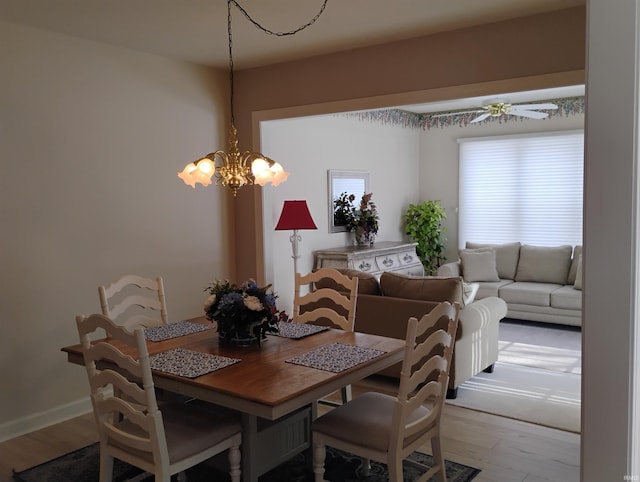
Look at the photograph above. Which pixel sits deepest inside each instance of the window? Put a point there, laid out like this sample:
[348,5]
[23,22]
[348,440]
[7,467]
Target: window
[522,188]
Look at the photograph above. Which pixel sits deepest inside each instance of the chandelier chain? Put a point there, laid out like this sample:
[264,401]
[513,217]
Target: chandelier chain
[264,29]
[280,34]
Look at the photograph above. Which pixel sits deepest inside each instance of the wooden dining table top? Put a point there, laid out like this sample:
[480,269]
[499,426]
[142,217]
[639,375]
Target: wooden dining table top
[263,383]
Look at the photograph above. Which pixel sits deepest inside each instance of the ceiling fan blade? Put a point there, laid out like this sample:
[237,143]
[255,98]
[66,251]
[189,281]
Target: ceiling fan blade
[480,118]
[532,114]
[535,106]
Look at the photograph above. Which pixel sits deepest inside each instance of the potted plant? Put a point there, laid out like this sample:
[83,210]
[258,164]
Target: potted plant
[362,221]
[424,225]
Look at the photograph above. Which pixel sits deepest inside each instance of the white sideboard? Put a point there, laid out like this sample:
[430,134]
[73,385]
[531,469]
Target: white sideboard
[393,256]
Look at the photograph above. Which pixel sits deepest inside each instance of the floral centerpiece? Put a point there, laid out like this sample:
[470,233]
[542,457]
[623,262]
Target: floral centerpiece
[362,221]
[245,313]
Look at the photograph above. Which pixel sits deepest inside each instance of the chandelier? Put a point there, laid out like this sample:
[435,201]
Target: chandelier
[234,168]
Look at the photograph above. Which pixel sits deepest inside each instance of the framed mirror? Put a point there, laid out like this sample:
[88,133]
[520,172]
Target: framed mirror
[338,182]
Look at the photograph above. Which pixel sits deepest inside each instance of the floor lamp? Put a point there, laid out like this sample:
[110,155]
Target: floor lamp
[295,215]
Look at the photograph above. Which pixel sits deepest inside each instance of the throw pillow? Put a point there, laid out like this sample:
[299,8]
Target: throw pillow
[544,264]
[469,291]
[423,288]
[507,255]
[479,265]
[578,282]
[577,251]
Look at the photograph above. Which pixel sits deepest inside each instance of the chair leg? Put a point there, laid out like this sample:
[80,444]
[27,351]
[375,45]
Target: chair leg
[452,393]
[106,466]
[319,454]
[438,458]
[346,394]
[395,470]
[365,467]
[234,463]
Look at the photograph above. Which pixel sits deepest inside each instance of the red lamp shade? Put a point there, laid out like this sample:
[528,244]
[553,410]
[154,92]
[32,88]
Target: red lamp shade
[295,215]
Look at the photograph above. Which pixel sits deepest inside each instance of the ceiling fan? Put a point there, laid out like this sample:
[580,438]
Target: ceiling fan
[499,108]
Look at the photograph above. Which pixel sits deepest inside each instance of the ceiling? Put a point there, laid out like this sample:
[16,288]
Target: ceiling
[196,30]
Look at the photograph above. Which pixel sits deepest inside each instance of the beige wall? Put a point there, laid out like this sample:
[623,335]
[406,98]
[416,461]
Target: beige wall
[91,140]
[534,52]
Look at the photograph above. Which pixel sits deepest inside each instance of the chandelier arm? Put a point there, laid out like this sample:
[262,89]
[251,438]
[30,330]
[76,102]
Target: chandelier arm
[280,34]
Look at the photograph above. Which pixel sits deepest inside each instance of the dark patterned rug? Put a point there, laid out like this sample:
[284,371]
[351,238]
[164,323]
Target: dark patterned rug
[82,466]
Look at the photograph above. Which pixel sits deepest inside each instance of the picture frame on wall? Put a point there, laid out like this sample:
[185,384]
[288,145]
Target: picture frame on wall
[338,182]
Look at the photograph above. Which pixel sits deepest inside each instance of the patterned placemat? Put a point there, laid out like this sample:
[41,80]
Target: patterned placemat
[336,357]
[288,329]
[188,363]
[174,330]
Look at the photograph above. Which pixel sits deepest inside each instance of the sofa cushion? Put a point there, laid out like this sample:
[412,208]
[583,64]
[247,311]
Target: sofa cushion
[491,288]
[479,265]
[367,283]
[578,281]
[566,298]
[528,293]
[544,264]
[577,252]
[507,255]
[424,288]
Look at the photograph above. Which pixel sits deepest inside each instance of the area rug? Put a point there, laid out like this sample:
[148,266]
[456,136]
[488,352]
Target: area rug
[544,397]
[83,464]
[541,345]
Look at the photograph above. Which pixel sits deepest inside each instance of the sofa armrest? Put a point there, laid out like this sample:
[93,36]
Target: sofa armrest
[449,269]
[481,313]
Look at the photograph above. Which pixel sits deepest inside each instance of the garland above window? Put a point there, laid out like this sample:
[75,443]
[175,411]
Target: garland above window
[396,117]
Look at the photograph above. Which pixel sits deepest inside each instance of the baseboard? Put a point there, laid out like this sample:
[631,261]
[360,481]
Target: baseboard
[37,421]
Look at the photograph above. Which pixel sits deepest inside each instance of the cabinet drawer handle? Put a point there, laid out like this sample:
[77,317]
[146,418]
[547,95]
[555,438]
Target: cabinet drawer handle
[387,262]
[408,258]
[364,266]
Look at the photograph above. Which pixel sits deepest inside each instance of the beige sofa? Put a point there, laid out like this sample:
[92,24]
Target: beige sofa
[385,306]
[538,283]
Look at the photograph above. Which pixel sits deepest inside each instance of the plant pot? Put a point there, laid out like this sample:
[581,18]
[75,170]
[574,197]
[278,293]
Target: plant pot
[363,237]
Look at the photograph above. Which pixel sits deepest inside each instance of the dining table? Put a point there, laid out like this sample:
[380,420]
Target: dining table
[274,385]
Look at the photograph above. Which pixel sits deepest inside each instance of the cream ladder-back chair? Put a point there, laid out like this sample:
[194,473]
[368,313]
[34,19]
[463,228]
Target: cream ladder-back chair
[131,427]
[328,289]
[388,429]
[151,301]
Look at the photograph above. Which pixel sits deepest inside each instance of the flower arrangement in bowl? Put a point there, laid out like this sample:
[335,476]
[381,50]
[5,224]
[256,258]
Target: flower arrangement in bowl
[362,221]
[245,313]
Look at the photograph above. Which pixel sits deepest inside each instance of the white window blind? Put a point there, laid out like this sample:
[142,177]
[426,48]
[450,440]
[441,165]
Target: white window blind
[522,188]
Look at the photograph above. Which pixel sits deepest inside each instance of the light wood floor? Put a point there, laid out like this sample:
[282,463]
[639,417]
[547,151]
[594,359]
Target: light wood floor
[505,450]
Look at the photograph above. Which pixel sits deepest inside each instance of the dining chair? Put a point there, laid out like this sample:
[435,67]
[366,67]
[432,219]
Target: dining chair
[331,299]
[134,300]
[388,429]
[163,440]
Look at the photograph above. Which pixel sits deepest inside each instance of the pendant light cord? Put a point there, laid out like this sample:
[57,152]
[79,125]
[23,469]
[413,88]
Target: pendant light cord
[265,30]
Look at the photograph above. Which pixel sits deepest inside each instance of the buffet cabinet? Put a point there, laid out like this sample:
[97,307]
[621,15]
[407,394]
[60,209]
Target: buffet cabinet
[398,257]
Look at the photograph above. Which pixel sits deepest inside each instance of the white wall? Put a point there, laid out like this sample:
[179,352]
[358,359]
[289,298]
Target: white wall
[310,146]
[439,161]
[91,140]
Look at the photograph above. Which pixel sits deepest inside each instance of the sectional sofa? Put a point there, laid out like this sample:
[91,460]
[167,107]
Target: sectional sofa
[538,283]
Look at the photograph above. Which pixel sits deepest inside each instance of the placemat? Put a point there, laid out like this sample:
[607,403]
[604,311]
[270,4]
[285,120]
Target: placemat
[336,357]
[288,329]
[174,330]
[188,363]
